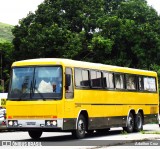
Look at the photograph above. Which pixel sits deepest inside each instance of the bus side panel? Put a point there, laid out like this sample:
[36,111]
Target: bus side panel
[111,108]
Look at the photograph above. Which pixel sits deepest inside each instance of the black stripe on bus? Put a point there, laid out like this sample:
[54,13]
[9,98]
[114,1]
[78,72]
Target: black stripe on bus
[99,104]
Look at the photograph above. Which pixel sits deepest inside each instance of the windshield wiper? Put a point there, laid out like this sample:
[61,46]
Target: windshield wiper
[31,90]
[23,94]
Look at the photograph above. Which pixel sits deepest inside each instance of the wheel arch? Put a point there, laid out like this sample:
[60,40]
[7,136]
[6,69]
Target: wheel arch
[85,114]
[130,111]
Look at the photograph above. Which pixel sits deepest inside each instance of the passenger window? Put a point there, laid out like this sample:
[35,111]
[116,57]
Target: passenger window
[108,80]
[149,84]
[140,83]
[78,77]
[130,82]
[81,77]
[119,81]
[96,79]
[69,83]
[85,78]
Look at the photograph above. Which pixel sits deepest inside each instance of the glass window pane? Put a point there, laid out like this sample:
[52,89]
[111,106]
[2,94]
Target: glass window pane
[119,81]
[81,77]
[130,82]
[30,83]
[48,80]
[21,80]
[105,76]
[93,77]
[140,81]
[96,79]
[149,84]
[99,79]
[69,84]
[108,80]
[85,77]
[78,77]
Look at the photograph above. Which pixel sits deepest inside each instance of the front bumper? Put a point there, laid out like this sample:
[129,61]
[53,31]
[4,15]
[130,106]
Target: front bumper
[21,124]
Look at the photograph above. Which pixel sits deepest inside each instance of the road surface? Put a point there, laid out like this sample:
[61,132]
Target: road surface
[115,137]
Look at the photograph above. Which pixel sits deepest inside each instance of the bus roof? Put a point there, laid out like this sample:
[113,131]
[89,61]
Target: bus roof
[80,64]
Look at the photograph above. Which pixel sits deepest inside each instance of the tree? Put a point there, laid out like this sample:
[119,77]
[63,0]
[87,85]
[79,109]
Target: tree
[6,51]
[133,28]
[141,36]
[58,29]
[119,32]
[1,89]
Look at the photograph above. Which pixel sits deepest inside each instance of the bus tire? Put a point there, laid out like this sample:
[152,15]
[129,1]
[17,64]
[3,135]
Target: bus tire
[130,123]
[35,134]
[79,133]
[138,122]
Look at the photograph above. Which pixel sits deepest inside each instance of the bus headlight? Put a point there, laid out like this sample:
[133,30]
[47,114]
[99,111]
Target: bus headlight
[51,122]
[10,123]
[48,123]
[54,123]
[15,123]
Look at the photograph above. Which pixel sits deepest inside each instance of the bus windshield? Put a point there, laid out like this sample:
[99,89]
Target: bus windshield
[32,83]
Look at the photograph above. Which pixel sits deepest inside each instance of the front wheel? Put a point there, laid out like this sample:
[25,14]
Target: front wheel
[130,123]
[35,134]
[80,131]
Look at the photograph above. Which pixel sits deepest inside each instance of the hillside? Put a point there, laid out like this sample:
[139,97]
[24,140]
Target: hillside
[5,32]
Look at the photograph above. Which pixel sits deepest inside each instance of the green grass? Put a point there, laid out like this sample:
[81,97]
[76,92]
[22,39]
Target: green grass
[153,132]
[5,32]
[124,132]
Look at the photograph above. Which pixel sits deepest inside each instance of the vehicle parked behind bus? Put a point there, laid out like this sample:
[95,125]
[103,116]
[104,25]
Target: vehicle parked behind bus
[3,97]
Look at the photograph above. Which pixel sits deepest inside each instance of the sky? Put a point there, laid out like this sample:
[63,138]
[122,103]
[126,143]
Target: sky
[11,11]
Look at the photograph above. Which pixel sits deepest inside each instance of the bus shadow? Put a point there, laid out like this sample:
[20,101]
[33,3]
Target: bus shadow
[93,139]
[66,138]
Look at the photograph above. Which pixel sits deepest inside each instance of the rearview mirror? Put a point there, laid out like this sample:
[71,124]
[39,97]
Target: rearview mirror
[68,80]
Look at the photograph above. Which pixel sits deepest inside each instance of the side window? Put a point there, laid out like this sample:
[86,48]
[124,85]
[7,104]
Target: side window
[69,83]
[119,81]
[78,77]
[130,82]
[81,77]
[85,78]
[140,83]
[108,80]
[149,84]
[96,79]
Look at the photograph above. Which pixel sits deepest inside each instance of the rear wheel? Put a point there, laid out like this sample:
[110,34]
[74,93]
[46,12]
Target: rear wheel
[138,122]
[130,123]
[79,133]
[35,134]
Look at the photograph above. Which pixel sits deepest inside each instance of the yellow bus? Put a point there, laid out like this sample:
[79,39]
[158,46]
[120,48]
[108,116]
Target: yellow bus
[53,94]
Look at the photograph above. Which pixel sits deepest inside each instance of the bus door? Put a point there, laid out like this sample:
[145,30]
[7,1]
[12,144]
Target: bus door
[69,94]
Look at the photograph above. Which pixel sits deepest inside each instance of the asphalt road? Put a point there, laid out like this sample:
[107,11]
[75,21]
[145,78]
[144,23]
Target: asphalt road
[115,137]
